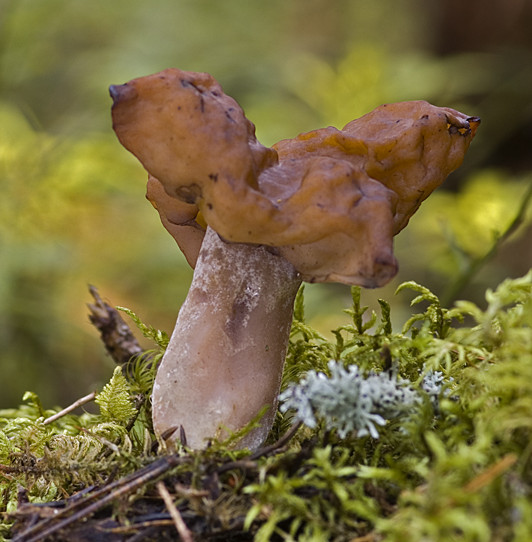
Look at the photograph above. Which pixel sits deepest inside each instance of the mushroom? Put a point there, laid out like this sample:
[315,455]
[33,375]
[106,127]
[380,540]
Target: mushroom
[256,221]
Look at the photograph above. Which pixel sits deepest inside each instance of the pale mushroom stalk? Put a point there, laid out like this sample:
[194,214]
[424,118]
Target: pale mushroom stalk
[321,207]
[226,354]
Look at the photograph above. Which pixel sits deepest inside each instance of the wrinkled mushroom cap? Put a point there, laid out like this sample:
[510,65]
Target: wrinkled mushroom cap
[410,147]
[329,201]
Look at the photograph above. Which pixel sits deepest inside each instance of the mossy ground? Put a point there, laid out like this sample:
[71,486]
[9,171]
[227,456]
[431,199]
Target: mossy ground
[458,469]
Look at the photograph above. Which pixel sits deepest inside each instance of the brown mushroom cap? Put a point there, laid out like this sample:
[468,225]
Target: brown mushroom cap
[179,218]
[329,200]
[342,226]
[410,147]
[194,139]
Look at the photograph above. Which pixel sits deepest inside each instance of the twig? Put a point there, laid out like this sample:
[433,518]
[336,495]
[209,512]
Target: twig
[70,408]
[86,507]
[141,526]
[492,472]
[136,526]
[276,446]
[116,335]
[180,525]
[189,492]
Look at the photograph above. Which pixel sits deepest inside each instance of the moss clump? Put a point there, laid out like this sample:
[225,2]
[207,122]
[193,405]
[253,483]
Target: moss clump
[454,465]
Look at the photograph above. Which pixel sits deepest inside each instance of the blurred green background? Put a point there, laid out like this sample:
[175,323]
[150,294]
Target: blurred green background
[72,206]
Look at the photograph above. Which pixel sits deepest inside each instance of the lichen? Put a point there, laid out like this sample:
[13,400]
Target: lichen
[348,400]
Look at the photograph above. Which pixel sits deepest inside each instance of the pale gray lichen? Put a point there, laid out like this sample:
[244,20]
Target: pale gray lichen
[348,400]
[433,384]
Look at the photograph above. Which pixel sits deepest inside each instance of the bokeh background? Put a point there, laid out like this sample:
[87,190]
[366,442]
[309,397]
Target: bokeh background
[72,206]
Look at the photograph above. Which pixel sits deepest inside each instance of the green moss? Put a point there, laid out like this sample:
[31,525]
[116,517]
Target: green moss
[455,466]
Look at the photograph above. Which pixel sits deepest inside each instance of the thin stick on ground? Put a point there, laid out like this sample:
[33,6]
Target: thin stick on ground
[96,500]
[80,402]
[180,525]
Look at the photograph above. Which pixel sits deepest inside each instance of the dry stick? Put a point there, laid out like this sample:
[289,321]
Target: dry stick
[135,527]
[492,472]
[121,487]
[115,334]
[180,525]
[48,526]
[276,445]
[73,406]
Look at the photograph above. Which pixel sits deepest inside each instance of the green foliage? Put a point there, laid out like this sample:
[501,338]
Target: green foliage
[457,466]
[308,348]
[461,471]
[457,469]
[115,399]
[459,235]
[53,456]
[160,338]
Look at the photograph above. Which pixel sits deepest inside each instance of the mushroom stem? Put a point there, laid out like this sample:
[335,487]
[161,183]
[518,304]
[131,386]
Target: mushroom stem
[225,358]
